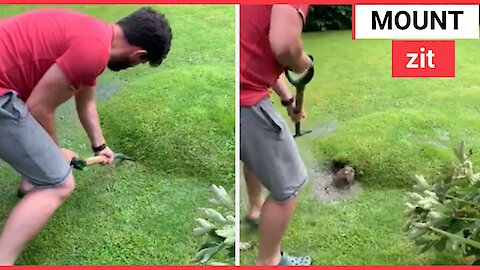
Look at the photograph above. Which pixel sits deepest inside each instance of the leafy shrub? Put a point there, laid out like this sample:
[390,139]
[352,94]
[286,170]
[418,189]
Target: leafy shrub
[444,211]
[217,229]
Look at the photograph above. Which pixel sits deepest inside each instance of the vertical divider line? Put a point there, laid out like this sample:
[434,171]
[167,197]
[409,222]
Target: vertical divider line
[237,134]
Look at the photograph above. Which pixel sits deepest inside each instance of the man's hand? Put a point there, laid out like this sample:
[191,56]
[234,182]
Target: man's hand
[306,63]
[108,153]
[296,117]
[69,154]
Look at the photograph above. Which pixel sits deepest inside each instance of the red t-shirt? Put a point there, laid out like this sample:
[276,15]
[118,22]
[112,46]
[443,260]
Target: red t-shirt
[32,42]
[258,67]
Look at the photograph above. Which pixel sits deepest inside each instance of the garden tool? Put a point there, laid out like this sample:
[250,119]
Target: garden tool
[300,84]
[79,164]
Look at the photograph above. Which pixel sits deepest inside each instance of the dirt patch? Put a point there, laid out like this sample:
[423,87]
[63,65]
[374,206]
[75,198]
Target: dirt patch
[107,89]
[323,173]
[324,129]
[327,128]
[305,142]
[324,190]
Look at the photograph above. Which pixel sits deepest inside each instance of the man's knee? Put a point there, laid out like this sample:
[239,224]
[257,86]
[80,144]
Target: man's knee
[285,200]
[66,188]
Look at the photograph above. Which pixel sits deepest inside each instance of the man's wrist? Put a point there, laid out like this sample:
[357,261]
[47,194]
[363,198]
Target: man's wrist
[288,102]
[98,148]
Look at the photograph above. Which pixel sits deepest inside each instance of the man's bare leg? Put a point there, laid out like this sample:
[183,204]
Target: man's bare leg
[254,189]
[275,218]
[28,217]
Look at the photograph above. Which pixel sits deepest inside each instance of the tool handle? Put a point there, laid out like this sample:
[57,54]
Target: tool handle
[298,108]
[95,160]
[302,81]
[299,100]
[297,129]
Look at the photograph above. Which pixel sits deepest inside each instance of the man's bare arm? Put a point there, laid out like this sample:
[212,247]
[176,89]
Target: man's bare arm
[286,26]
[280,87]
[51,91]
[88,115]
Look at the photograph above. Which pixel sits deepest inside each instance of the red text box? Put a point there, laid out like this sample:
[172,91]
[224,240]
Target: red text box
[432,58]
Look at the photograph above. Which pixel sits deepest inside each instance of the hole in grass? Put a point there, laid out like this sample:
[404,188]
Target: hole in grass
[334,165]
[323,180]
[338,164]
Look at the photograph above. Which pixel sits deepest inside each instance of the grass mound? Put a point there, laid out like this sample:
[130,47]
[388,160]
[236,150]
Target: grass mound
[177,121]
[388,148]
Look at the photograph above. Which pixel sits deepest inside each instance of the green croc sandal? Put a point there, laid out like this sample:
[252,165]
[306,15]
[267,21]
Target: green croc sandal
[287,260]
[252,222]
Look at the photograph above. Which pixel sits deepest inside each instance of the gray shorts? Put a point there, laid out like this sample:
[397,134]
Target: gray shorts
[267,148]
[27,147]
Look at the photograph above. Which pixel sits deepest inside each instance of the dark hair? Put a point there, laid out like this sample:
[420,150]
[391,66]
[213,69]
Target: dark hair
[148,29]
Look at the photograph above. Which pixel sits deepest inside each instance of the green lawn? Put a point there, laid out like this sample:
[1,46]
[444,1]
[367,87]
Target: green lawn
[390,129]
[178,122]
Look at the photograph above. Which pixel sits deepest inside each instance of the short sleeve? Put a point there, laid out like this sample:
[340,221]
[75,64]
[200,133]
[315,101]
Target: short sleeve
[83,61]
[302,10]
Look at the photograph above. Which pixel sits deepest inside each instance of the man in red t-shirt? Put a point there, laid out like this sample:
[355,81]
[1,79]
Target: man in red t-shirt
[270,41]
[48,56]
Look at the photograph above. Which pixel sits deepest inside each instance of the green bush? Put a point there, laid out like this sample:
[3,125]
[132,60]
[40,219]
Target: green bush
[177,121]
[444,211]
[217,228]
[326,17]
